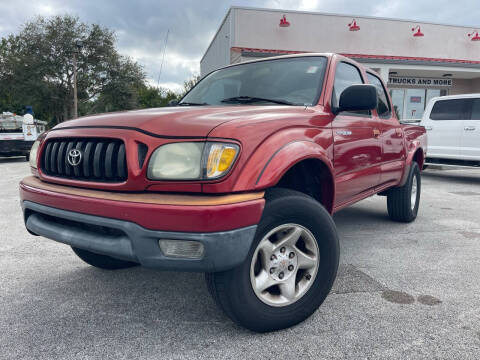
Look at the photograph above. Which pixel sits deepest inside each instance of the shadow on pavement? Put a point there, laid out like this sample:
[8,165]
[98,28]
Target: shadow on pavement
[453,176]
[13,159]
[135,294]
[361,215]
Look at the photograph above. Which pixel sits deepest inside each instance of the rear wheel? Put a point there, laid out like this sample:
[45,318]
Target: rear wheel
[102,261]
[289,270]
[403,202]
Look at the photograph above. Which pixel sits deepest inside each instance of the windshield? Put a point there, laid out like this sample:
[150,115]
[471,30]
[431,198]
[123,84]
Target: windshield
[290,81]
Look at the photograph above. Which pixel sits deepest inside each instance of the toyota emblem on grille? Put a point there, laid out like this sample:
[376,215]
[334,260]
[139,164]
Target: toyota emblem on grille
[74,157]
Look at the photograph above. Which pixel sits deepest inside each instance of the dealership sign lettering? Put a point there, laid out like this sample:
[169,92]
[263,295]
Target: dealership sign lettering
[414,81]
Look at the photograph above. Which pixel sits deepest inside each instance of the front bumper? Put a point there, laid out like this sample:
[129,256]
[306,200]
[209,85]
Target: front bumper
[15,147]
[128,241]
[106,224]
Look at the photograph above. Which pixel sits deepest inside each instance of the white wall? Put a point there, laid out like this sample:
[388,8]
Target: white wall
[218,53]
[255,28]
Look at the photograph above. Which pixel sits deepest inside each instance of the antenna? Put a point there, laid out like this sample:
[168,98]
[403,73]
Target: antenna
[163,58]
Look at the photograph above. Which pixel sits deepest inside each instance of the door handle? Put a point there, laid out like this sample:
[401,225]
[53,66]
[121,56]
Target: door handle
[376,133]
[428,128]
[469,128]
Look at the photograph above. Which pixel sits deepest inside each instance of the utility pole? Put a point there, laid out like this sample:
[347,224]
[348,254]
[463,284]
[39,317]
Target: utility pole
[163,57]
[75,101]
[78,44]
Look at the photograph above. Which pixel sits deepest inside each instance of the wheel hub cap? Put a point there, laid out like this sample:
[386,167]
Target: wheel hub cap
[284,265]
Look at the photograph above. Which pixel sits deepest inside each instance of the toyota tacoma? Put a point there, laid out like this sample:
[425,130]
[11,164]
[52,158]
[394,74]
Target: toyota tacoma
[239,180]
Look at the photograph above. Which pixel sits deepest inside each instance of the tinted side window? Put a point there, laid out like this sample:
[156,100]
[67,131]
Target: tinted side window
[476,109]
[454,109]
[383,106]
[346,75]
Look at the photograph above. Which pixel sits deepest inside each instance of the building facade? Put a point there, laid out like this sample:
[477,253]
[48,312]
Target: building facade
[417,60]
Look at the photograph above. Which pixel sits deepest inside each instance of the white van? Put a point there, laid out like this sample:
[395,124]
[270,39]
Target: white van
[453,129]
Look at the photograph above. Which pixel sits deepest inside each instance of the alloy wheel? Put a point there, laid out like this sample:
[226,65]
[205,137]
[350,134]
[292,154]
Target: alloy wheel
[284,265]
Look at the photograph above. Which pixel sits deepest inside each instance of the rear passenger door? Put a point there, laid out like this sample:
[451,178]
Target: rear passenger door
[470,142]
[357,148]
[444,126]
[391,137]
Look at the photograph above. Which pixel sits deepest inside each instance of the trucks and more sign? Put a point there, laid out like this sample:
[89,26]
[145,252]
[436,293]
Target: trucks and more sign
[420,81]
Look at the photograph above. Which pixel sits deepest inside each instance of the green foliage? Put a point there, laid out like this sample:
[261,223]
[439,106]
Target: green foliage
[190,83]
[36,68]
[152,97]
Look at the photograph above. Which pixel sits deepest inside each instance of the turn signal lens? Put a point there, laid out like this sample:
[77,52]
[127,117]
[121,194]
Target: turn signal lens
[220,159]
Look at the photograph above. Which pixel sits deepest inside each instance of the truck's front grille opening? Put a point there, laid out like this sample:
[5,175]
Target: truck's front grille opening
[107,232]
[87,159]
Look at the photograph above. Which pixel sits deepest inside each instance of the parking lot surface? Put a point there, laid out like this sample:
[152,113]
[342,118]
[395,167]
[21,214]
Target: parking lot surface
[404,291]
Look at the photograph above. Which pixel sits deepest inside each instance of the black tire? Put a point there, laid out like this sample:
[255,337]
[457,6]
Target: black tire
[399,200]
[232,290]
[102,261]
[27,157]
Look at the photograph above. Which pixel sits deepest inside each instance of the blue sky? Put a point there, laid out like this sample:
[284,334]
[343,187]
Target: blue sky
[141,25]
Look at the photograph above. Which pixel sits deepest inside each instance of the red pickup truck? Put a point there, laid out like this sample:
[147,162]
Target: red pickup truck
[238,180]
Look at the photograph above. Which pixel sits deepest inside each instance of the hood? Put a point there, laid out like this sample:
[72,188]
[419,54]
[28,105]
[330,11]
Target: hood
[181,121]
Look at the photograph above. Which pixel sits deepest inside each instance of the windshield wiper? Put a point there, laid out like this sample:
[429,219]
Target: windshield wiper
[252,99]
[191,104]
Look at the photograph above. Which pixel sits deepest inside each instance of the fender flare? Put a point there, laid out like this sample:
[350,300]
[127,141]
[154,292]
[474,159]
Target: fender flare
[411,155]
[276,166]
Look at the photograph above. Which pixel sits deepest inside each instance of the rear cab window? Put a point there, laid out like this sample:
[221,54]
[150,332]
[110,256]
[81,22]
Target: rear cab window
[383,107]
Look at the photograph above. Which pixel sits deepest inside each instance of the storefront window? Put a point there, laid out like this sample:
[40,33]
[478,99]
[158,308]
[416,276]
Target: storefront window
[414,104]
[431,93]
[397,96]
[409,104]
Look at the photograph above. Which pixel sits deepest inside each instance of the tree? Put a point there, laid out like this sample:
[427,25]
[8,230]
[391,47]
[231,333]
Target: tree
[121,92]
[190,83]
[151,97]
[36,69]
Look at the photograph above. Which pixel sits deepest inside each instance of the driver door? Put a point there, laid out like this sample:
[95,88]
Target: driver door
[357,148]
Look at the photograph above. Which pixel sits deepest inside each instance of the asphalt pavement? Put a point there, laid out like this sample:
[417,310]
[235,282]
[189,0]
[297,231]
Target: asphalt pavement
[404,291]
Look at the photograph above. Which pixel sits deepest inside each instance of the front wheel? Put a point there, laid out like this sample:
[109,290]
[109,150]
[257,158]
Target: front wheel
[403,202]
[289,270]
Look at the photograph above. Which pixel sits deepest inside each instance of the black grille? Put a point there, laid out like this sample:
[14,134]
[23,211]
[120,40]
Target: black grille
[101,159]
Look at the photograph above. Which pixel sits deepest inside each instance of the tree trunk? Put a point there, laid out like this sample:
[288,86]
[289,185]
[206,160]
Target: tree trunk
[66,114]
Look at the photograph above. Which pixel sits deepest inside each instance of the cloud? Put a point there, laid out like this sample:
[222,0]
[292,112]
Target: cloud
[141,25]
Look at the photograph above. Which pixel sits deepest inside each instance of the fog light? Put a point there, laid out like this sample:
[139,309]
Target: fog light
[181,248]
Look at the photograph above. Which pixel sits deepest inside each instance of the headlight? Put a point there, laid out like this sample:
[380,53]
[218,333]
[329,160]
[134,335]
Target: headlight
[33,154]
[192,161]
[176,161]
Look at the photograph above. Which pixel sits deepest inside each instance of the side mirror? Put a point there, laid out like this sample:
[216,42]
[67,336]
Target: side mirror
[173,103]
[357,98]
